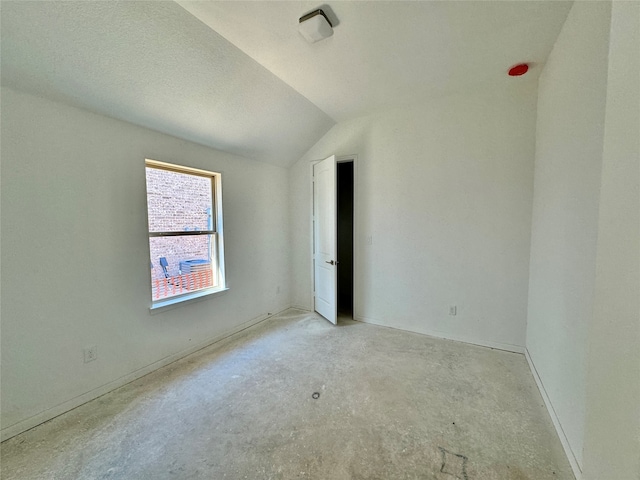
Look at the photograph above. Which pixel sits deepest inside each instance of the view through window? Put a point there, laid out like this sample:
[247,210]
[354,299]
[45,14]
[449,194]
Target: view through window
[185,220]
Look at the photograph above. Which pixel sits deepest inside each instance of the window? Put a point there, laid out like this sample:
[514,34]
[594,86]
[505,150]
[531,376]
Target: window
[184,208]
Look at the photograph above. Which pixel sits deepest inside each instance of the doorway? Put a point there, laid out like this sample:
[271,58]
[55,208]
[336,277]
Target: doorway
[333,223]
[344,233]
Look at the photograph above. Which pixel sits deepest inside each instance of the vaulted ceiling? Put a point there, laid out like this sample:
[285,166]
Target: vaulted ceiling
[155,65]
[237,76]
[388,54]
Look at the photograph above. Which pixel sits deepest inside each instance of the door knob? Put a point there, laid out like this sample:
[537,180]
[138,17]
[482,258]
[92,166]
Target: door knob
[330,262]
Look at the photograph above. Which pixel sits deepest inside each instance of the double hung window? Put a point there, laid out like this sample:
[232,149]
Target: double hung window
[185,232]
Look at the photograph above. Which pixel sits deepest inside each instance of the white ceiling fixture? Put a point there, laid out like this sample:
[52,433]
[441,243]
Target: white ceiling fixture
[155,65]
[315,26]
[393,53]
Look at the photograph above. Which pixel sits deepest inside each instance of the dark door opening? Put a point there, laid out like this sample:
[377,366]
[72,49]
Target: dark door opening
[345,203]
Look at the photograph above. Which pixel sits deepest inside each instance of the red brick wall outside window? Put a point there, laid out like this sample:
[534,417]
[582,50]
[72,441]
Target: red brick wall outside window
[178,202]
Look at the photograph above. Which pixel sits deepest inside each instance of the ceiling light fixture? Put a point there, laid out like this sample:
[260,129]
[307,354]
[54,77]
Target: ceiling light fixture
[315,26]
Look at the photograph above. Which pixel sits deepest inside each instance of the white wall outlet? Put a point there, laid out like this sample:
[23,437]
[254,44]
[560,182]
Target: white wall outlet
[369,240]
[90,353]
[453,310]
[278,290]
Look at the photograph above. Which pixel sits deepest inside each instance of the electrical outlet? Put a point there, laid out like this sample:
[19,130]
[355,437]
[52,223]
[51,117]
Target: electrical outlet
[90,353]
[278,290]
[369,240]
[453,310]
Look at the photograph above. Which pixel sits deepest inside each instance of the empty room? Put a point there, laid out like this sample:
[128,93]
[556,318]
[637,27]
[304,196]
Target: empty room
[342,240]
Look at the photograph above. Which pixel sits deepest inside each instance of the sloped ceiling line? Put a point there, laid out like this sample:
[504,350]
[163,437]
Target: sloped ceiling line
[155,65]
[237,76]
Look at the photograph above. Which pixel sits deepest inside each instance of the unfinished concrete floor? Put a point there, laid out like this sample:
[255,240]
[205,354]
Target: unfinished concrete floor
[391,405]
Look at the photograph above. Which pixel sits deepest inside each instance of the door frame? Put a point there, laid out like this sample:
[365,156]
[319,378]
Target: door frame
[356,260]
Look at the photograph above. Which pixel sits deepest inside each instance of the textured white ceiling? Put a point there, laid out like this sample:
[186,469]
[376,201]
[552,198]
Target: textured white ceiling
[245,81]
[386,54]
[155,65]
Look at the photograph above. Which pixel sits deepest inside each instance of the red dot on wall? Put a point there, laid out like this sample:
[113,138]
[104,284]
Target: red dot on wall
[518,70]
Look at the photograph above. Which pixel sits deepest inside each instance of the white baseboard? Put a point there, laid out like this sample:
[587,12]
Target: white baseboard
[573,461]
[458,338]
[302,307]
[53,412]
[575,466]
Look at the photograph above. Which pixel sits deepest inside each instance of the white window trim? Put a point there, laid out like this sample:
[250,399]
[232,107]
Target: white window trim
[175,301]
[217,206]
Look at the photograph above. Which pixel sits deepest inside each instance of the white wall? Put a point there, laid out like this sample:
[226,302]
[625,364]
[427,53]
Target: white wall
[612,433]
[445,191]
[571,104]
[75,254]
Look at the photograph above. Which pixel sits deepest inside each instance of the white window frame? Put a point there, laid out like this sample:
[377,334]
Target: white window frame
[220,283]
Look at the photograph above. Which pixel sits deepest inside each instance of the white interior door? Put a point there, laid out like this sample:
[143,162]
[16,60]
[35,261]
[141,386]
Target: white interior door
[325,239]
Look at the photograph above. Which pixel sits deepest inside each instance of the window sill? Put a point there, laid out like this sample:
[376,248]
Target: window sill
[169,303]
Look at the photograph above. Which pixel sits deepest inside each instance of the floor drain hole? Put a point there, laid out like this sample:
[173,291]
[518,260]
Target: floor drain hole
[316,395]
